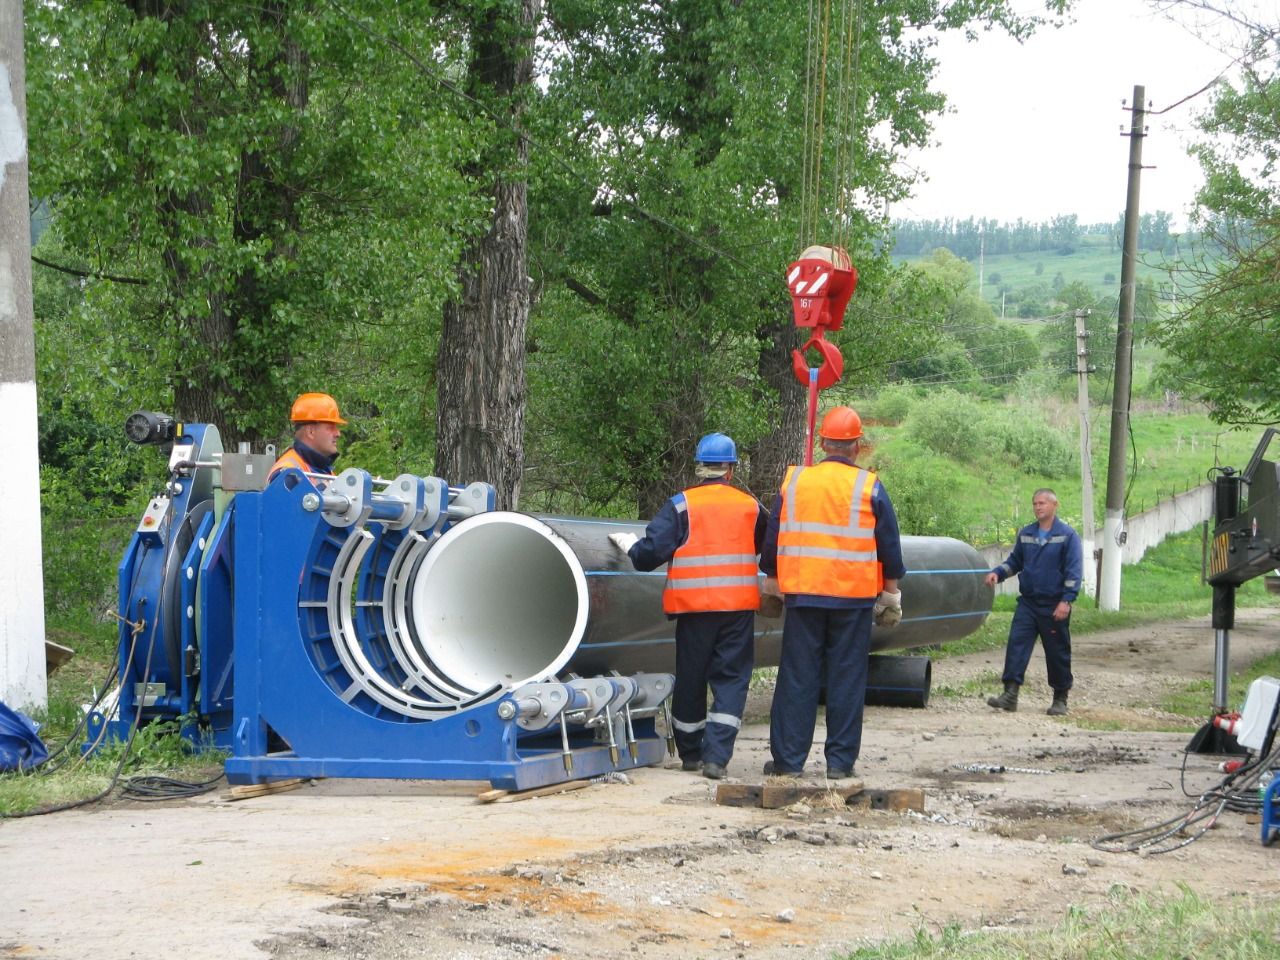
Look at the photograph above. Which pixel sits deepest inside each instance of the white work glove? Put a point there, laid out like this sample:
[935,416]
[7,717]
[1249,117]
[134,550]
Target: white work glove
[887,611]
[623,541]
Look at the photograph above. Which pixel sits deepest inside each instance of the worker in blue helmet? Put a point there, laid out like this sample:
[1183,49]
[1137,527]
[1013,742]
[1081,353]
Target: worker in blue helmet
[709,536]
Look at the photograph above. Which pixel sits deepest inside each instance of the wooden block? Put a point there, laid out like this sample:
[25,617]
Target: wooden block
[909,798]
[776,795]
[247,791]
[738,794]
[511,796]
[55,655]
[772,796]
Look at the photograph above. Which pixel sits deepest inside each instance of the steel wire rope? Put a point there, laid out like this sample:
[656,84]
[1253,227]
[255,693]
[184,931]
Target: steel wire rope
[846,157]
[806,154]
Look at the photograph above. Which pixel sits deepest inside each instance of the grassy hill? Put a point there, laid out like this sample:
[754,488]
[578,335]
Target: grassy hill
[1023,276]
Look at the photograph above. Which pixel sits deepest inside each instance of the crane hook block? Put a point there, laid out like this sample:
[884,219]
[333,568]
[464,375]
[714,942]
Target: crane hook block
[821,283]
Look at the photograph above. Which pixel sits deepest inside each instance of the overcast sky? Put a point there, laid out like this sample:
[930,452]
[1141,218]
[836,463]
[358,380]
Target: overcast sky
[1034,130]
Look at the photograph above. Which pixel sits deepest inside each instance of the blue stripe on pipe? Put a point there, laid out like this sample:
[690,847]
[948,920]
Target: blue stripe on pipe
[625,643]
[922,572]
[642,643]
[947,616]
[595,522]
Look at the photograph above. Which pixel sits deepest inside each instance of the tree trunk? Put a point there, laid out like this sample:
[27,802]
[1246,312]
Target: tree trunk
[784,444]
[481,363]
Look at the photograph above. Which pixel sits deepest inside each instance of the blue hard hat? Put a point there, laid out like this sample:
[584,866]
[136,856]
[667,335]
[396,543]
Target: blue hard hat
[716,448]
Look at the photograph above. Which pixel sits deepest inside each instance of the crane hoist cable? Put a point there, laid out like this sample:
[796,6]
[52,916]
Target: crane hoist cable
[823,279]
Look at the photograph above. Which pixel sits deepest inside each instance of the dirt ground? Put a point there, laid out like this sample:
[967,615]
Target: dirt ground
[654,868]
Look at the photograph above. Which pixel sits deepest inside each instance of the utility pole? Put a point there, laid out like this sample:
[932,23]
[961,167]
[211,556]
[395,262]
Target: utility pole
[1086,453]
[23,683]
[1113,532]
[982,256]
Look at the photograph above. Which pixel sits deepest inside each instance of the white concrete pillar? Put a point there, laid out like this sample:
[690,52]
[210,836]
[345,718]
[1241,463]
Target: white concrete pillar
[23,683]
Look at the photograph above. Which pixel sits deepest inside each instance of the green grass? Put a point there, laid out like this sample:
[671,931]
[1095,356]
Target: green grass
[1127,927]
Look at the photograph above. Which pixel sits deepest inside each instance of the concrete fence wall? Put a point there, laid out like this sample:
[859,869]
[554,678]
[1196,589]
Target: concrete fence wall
[1143,531]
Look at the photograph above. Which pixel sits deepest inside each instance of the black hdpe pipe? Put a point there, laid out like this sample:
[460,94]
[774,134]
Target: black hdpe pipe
[504,597]
[894,681]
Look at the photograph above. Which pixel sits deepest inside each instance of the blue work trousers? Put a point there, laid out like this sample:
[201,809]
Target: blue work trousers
[818,642]
[1031,620]
[716,649]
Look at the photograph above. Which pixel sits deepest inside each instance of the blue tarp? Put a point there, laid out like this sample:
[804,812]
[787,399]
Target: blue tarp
[20,744]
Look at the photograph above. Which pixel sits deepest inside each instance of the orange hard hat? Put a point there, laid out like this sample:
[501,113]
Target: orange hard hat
[315,408]
[841,423]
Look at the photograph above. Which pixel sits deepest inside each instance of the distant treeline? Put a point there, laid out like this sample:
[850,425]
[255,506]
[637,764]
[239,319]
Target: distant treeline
[1061,235]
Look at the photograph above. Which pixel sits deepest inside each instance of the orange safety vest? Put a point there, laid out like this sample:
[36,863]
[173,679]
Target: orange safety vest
[290,458]
[826,532]
[715,568]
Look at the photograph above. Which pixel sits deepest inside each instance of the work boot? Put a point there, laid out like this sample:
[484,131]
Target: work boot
[1059,708]
[713,771]
[1007,700]
[690,766]
[771,769]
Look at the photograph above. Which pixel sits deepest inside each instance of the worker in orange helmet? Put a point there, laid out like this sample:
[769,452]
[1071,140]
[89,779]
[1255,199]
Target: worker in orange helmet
[834,546]
[317,425]
[708,536]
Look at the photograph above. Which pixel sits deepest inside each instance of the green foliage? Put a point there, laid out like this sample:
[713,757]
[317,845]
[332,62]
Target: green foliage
[922,495]
[293,182]
[158,749]
[970,348]
[890,404]
[948,422]
[1223,340]
[675,262]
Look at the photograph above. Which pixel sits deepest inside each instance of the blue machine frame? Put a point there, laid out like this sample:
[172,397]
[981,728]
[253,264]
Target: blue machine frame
[248,658]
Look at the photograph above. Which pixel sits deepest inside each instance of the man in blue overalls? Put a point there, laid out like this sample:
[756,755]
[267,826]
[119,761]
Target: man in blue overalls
[1047,559]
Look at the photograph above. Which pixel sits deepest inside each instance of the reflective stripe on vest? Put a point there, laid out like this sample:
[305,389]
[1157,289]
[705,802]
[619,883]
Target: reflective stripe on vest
[715,568]
[826,532]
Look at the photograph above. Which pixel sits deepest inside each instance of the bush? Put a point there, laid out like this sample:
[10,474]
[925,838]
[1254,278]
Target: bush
[890,405]
[947,422]
[1031,445]
[957,426]
[921,493]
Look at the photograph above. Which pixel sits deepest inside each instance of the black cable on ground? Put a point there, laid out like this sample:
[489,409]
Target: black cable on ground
[165,788]
[124,756]
[1238,792]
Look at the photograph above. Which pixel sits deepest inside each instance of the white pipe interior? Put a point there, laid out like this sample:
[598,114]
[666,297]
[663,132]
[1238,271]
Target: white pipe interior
[499,600]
